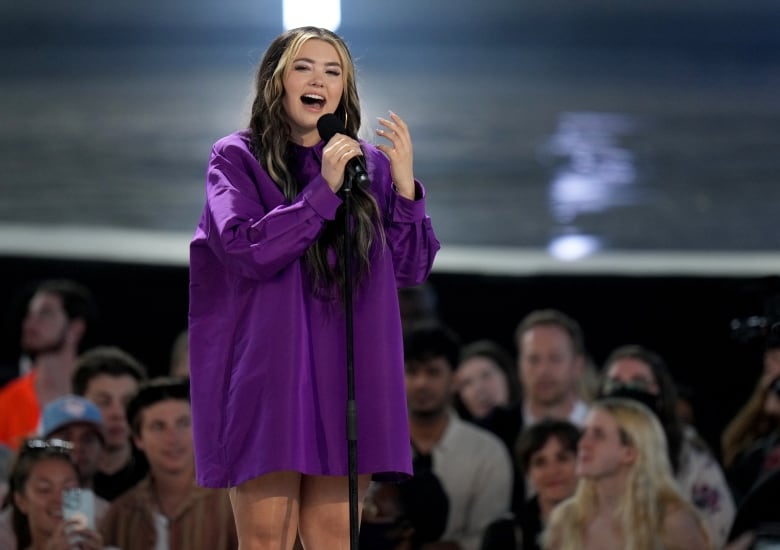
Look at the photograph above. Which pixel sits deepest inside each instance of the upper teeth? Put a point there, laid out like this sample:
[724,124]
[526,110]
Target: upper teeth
[315,96]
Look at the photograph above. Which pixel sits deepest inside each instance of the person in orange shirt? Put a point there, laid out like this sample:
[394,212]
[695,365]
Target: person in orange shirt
[53,329]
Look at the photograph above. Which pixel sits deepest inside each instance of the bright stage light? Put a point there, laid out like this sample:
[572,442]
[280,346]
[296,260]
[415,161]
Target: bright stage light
[317,13]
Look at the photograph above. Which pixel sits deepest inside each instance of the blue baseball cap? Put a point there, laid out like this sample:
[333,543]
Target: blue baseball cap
[70,409]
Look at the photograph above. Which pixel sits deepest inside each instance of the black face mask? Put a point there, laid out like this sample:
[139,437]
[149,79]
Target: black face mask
[651,401]
[380,536]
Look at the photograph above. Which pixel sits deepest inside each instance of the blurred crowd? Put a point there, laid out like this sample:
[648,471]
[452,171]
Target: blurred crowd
[523,448]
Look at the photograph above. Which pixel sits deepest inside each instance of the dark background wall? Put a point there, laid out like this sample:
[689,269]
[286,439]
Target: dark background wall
[686,319]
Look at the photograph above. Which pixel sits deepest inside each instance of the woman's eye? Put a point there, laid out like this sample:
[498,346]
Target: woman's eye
[334,73]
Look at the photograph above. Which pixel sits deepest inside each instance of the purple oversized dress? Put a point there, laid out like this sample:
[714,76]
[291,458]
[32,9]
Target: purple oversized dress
[268,357]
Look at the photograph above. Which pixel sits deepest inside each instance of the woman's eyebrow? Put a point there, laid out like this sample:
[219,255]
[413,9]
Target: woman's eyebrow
[327,64]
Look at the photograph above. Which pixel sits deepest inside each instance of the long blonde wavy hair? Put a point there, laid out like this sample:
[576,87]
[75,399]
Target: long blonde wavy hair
[650,490]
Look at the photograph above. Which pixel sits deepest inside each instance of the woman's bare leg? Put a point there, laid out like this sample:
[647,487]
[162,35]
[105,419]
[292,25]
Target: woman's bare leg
[266,510]
[324,511]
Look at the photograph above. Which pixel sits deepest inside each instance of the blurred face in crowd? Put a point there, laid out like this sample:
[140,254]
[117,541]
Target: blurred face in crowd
[165,436]
[634,373]
[601,453]
[111,394]
[87,448]
[482,385]
[429,386]
[41,497]
[46,326]
[549,367]
[552,471]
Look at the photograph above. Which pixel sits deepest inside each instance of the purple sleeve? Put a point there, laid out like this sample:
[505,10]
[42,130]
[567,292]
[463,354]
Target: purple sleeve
[411,238]
[249,224]
[409,234]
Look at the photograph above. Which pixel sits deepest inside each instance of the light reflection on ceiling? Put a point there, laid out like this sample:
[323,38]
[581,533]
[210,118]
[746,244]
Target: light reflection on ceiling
[595,171]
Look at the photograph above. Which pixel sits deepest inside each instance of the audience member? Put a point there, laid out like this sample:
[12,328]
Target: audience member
[109,377]
[473,466]
[751,423]
[640,374]
[547,452]
[77,420]
[551,358]
[58,316]
[763,456]
[404,516]
[626,497]
[167,509]
[485,378]
[384,524]
[42,471]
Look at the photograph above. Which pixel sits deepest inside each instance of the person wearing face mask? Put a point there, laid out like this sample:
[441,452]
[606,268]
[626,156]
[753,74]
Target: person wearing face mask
[640,374]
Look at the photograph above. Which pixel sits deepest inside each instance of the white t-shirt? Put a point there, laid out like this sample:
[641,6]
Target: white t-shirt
[161,528]
[475,471]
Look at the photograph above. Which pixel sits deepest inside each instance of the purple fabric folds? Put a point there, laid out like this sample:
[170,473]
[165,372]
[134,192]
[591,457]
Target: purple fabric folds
[267,356]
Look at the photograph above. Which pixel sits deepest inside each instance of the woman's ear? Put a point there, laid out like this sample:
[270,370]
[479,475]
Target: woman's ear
[76,329]
[629,454]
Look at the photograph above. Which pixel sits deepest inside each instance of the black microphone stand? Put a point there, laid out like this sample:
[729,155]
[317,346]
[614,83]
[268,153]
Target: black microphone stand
[354,523]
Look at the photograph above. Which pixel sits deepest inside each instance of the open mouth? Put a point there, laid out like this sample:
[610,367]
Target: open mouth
[313,100]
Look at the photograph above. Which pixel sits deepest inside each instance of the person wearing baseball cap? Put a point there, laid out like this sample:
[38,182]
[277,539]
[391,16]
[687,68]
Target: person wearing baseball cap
[77,420]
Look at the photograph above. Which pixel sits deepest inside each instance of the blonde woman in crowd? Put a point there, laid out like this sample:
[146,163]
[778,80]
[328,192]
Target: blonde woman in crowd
[627,497]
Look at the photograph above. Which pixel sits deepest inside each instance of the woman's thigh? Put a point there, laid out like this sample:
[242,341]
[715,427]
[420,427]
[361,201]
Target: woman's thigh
[324,511]
[266,510]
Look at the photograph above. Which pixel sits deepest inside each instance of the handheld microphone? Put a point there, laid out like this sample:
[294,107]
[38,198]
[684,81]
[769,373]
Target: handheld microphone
[329,125]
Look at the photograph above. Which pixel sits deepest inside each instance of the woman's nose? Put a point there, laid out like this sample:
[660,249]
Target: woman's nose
[317,79]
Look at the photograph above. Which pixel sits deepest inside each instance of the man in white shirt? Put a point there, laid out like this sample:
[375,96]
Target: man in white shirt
[472,464]
[551,364]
